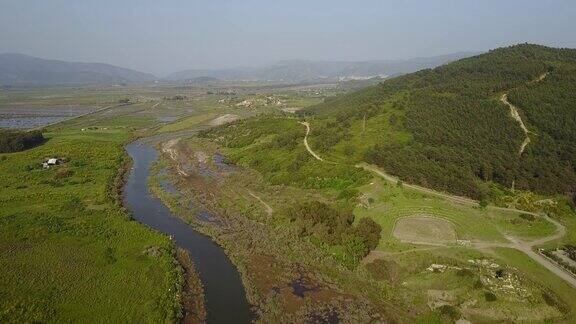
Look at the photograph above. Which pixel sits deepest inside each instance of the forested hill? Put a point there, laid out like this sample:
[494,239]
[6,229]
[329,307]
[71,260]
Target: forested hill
[447,127]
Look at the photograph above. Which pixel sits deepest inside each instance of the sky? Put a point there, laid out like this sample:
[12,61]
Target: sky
[171,35]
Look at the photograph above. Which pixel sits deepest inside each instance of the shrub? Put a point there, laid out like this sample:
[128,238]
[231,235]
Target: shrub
[387,270]
[369,231]
[528,217]
[15,141]
[451,311]
[465,273]
[490,297]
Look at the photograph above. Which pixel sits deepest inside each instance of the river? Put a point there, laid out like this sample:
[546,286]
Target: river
[225,295]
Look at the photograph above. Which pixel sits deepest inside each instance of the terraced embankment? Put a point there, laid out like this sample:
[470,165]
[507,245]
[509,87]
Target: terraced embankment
[514,243]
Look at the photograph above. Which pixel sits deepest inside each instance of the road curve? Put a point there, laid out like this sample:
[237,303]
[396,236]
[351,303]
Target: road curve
[316,156]
[516,116]
[525,247]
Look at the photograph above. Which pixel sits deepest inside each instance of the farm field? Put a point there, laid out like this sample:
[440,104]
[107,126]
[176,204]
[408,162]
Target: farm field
[246,165]
[86,248]
[66,242]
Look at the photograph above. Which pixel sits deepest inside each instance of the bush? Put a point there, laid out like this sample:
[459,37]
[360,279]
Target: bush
[490,297]
[384,270]
[465,273]
[570,251]
[451,311]
[369,231]
[16,141]
[62,173]
[528,217]
[335,228]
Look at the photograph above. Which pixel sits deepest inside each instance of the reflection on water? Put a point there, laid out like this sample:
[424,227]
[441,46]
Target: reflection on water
[29,122]
[225,296]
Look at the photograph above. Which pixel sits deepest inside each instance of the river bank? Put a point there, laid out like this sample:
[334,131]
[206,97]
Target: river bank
[225,298]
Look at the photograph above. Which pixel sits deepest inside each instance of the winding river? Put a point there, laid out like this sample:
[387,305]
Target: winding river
[225,295]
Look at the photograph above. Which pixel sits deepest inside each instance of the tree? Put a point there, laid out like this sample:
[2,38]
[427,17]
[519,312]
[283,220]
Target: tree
[370,232]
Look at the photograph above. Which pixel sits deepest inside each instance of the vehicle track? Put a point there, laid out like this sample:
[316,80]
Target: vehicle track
[514,243]
[316,156]
[516,115]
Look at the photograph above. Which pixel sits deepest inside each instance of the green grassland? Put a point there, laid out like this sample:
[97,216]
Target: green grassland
[63,96]
[400,276]
[389,202]
[272,147]
[68,251]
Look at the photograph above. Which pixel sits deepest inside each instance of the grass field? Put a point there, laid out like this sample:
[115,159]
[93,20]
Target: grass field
[65,243]
[389,202]
[273,149]
[470,284]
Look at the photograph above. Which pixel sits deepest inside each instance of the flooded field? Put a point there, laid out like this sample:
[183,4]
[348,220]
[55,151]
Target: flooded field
[30,117]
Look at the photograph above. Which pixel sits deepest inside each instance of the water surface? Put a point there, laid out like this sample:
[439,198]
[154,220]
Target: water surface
[225,295]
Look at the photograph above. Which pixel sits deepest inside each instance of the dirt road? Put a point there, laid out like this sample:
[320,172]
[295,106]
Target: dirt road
[316,156]
[525,247]
[516,116]
[269,210]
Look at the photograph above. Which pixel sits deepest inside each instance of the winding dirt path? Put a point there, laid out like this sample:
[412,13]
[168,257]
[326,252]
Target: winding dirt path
[516,115]
[269,210]
[316,156]
[514,243]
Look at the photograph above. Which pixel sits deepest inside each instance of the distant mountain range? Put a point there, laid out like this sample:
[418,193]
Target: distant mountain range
[306,71]
[28,71]
[24,70]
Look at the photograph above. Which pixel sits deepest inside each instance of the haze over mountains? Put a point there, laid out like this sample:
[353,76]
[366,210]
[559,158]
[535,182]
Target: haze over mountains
[28,71]
[24,70]
[307,70]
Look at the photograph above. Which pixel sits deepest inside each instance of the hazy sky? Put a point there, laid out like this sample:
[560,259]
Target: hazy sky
[165,36]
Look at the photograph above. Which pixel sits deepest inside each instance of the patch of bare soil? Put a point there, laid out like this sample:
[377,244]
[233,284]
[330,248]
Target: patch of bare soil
[224,119]
[193,292]
[424,229]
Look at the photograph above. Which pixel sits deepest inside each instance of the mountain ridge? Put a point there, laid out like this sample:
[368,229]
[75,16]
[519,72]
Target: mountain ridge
[447,127]
[24,70]
[299,70]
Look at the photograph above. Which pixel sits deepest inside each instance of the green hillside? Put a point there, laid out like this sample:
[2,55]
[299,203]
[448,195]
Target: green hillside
[447,128]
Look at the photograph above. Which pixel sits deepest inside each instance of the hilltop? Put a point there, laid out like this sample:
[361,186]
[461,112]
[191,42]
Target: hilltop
[452,128]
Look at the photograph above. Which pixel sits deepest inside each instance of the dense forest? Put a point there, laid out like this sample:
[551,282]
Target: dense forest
[15,141]
[460,135]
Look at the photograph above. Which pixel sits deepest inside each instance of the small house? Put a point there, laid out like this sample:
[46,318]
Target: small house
[51,162]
